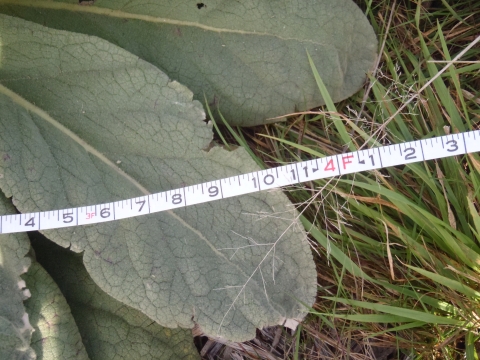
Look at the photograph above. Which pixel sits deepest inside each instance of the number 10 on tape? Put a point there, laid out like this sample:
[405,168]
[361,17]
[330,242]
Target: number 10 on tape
[335,165]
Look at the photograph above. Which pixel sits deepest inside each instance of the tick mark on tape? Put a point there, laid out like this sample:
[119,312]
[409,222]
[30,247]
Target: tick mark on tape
[286,175]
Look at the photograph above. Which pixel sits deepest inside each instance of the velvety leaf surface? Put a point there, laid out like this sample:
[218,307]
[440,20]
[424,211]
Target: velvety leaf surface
[56,335]
[95,124]
[15,328]
[248,57]
[110,329]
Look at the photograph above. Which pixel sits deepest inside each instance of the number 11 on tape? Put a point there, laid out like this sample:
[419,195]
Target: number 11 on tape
[335,165]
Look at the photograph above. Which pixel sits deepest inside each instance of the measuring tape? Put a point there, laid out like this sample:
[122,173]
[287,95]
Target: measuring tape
[335,165]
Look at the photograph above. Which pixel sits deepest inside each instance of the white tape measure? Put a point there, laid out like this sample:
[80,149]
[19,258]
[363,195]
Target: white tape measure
[348,163]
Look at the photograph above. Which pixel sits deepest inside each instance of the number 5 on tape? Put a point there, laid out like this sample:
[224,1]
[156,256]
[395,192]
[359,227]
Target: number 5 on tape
[348,163]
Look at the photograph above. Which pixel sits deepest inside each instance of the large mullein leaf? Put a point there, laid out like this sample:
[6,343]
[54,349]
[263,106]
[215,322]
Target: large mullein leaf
[109,328]
[15,328]
[248,57]
[84,122]
[56,334]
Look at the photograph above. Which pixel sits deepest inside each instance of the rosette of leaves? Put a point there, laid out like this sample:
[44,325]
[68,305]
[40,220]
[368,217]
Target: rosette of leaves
[84,122]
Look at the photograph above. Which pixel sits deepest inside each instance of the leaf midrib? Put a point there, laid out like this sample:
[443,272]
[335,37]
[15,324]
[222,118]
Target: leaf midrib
[90,149]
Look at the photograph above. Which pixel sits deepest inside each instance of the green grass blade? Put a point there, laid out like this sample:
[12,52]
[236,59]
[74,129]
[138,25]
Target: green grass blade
[409,325]
[297,342]
[437,228]
[475,216]
[403,312]
[337,121]
[369,318]
[450,283]
[421,298]
[241,141]
[209,111]
[343,259]
[305,149]
[470,351]
[442,91]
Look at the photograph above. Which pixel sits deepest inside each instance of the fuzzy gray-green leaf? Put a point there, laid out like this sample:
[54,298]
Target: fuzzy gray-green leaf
[248,57]
[84,122]
[56,335]
[15,328]
[110,329]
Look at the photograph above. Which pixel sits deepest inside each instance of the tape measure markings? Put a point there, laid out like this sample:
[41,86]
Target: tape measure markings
[309,170]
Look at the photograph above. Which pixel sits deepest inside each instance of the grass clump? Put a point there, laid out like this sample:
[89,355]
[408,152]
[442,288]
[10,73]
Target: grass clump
[397,249]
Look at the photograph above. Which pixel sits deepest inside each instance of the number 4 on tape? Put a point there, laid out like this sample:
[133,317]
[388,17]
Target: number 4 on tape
[348,163]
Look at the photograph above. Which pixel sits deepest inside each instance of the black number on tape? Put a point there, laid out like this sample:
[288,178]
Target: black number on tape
[105,213]
[213,191]
[268,179]
[140,202]
[409,153]
[454,145]
[67,218]
[176,199]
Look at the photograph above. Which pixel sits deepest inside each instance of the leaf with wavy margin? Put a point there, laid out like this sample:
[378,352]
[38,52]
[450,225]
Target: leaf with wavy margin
[85,122]
[56,334]
[109,329]
[15,328]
